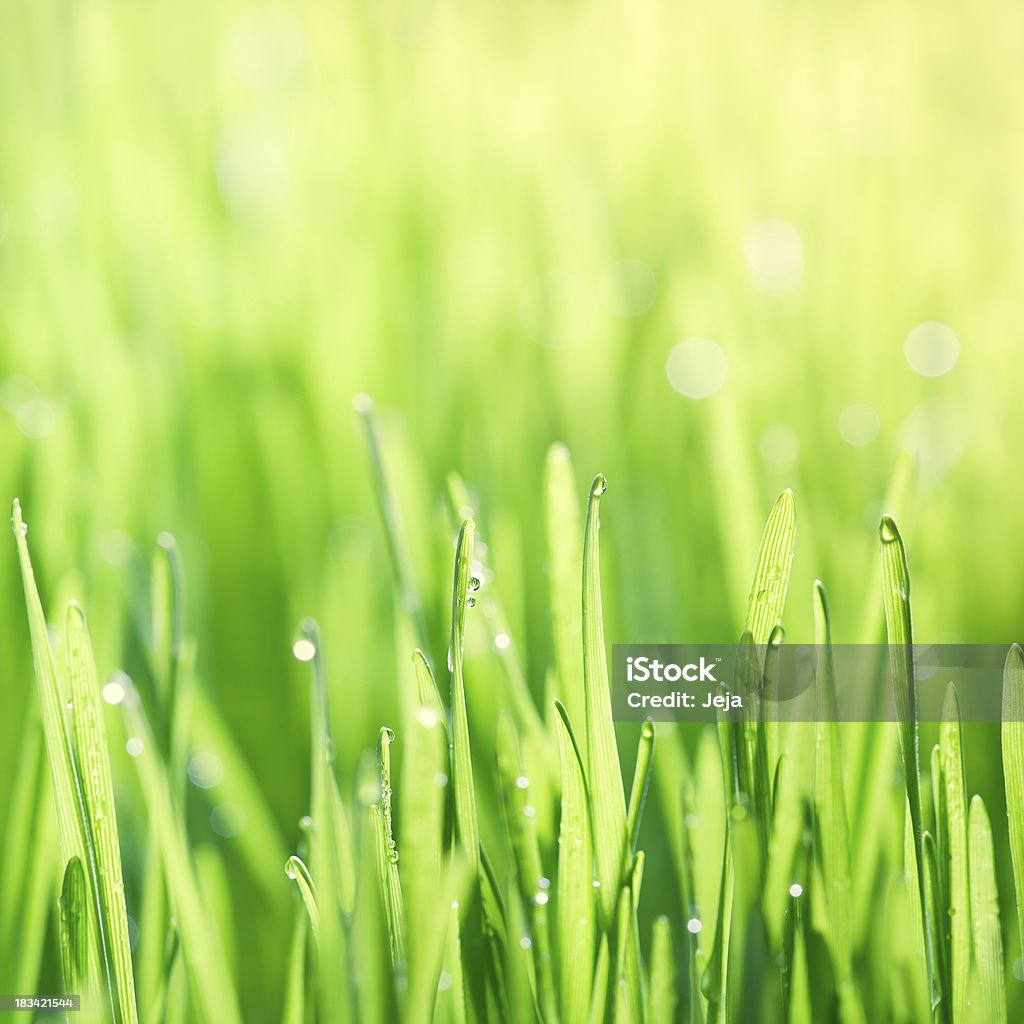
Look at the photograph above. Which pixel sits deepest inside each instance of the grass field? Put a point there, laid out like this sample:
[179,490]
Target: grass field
[714,250]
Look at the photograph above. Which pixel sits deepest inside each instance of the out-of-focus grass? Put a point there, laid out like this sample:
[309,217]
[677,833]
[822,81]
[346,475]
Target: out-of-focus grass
[218,224]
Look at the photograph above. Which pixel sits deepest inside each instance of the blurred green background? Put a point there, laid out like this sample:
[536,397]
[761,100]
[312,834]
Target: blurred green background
[218,223]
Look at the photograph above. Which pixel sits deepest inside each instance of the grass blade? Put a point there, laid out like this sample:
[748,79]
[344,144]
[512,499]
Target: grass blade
[576,925]
[662,988]
[1013,769]
[604,776]
[564,544]
[201,944]
[93,769]
[297,871]
[954,828]
[988,941]
[896,600]
[641,780]
[462,763]
[74,926]
[387,853]
[772,570]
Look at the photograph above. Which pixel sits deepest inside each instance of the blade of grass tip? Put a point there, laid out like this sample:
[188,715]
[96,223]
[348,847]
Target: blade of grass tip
[576,925]
[394,533]
[462,763]
[297,871]
[599,991]
[519,697]
[663,980]
[204,955]
[74,926]
[93,762]
[988,941]
[641,780]
[896,599]
[833,839]
[422,824]
[387,853]
[564,545]
[1013,769]
[72,814]
[331,856]
[955,828]
[521,829]
[52,704]
[426,687]
[630,1003]
[604,775]
[772,570]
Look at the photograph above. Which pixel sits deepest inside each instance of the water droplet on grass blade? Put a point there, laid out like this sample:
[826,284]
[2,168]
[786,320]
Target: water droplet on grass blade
[888,531]
[599,486]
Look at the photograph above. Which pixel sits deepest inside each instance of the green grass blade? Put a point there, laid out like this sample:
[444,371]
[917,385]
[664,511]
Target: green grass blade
[772,570]
[954,828]
[426,687]
[662,998]
[576,924]
[93,769]
[521,830]
[988,941]
[394,533]
[387,853]
[74,926]
[564,547]
[462,763]
[630,1001]
[52,705]
[599,992]
[294,1011]
[201,944]
[1013,769]
[331,855]
[896,600]
[833,832]
[641,780]
[604,776]
[297,871]
[422,822]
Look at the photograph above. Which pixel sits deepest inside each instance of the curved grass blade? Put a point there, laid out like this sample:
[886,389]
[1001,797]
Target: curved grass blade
[599,992]
[426,687]
[630,1003]
[1013,769]
[74,926]
[297,871]
[564,545]
[988,941]
[604,775]
[576,925]
[896,600]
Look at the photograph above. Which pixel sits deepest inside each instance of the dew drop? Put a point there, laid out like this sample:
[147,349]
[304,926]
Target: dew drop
[694,925]
[474,583]
[471,601]
[541,898]
[522,782]
[525,943]
[599,486]
[887,530]
[545,883]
